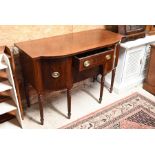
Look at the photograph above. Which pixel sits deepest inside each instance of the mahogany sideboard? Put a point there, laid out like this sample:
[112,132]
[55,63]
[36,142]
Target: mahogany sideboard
[58,62]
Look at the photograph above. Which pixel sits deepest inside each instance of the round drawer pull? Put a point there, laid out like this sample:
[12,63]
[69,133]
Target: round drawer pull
[108,57]
[86,63]
[55,74]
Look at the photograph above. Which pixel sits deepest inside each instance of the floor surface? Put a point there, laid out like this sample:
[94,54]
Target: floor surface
[84,101]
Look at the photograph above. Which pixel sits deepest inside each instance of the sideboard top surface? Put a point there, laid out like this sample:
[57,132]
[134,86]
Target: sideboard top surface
[69,44]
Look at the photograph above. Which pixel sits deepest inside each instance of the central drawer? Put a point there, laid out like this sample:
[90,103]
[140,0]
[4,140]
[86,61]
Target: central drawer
[95,58]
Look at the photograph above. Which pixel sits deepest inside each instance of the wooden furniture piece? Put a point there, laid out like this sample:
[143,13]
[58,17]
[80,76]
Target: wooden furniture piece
[150,29]
[9,103]
[149,83]
[14,73]
[130,32]
[56,63]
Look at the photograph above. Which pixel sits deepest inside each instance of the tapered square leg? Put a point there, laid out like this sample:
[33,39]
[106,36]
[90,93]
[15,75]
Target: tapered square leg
[101,88]
[112,80]
[69,102]
[40,99]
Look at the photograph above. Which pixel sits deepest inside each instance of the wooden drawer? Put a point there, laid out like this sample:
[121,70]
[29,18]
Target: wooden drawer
[95,58]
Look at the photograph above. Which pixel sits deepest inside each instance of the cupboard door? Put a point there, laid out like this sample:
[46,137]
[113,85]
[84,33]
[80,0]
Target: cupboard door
[57,74]
[134,61]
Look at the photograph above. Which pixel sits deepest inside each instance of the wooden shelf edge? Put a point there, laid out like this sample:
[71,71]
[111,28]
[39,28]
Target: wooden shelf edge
[6,117]
[7,106]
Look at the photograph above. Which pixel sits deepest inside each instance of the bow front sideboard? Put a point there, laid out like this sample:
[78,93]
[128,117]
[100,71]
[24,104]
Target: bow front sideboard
[56,63]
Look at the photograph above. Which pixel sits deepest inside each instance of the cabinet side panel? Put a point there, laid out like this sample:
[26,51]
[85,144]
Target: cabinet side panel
[27,68]
[151,70]
[120,66]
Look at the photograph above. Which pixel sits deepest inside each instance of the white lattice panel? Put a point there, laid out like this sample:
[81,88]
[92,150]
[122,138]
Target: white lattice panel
[133,63]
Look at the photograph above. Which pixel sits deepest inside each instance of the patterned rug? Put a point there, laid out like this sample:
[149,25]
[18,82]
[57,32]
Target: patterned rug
[132,112]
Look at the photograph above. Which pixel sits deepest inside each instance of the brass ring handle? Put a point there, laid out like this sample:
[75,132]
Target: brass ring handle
[108,57]
[86,63]
[55,74]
